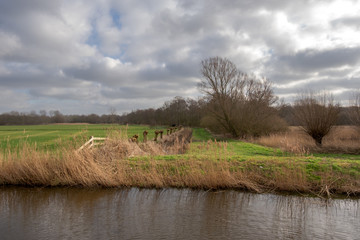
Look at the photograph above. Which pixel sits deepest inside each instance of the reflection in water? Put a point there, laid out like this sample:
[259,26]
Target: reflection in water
[68,213]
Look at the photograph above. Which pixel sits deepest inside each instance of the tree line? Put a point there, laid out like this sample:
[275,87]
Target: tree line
[53,117]
[233,103]
[178,111]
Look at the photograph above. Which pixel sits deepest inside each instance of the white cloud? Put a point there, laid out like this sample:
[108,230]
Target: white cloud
[88,55]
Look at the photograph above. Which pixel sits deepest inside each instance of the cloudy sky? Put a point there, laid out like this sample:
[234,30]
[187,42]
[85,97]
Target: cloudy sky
[89,56]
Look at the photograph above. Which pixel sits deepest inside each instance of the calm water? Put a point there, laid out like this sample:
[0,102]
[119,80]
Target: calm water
[172,214]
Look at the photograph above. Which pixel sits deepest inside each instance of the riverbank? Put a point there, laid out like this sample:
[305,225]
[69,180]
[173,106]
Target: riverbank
[207,165]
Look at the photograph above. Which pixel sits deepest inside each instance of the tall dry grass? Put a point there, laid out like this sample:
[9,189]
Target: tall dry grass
[106,166]
[117,164]
[341,139]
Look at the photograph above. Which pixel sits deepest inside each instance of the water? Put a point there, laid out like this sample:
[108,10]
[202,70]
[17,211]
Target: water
[68,213]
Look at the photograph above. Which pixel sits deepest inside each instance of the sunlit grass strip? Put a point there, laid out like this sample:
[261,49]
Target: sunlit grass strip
[209,165]
[49,137]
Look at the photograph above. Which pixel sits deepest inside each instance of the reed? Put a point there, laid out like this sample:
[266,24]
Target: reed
[210,165]
[341,139]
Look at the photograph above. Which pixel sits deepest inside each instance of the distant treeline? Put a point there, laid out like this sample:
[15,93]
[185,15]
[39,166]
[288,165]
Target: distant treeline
[179,111]
[33,118]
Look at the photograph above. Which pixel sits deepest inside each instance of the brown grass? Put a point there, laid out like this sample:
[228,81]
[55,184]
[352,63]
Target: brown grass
[341,139]
[105,166]
[109,166]
[114,165]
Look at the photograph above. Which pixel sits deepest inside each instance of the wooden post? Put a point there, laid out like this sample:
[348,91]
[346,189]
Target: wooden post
[145,133]
[156,135]
[134,138]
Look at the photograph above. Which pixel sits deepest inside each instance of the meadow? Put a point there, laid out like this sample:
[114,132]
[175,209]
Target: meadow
[207,163]
[50,137]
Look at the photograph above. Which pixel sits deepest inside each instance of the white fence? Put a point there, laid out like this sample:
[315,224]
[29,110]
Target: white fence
[92,142]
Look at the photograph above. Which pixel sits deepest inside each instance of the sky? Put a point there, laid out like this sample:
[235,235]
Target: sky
[82,57]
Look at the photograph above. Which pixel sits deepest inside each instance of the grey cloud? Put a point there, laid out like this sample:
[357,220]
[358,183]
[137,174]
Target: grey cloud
[328,84]
[134,92]
[314,60]
[57,93]
[226,5]
[185,69]
[177,26]
[43,33]
[24,80]
[347,21]
[13,99]
[18,7]
[286,77]
[171,71]
[49,51]
[335,83]
[25,76]
[99,73]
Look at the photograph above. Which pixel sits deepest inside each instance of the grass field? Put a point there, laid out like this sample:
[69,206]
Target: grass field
[208,164]
[48,137]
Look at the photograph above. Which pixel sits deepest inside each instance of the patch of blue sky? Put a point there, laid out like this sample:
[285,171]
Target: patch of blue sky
[122,56]
[269,52]
[93,39]
[116,18]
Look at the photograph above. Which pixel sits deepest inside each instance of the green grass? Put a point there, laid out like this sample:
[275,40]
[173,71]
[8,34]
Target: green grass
[272,166]
[52,136]
[200,134]
[248,156]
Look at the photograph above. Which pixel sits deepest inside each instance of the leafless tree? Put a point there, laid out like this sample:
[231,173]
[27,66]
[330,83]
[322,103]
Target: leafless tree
[112,111]
[222,83]
[354,109]
[317,113]
[240,103]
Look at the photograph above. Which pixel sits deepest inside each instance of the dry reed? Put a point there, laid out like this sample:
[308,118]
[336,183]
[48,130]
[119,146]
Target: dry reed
[114,165]
[341,139]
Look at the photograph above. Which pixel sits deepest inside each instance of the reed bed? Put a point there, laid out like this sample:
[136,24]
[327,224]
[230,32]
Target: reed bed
[341,139]
[210,165]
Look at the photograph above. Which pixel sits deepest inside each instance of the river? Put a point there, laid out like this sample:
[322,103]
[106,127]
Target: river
[71,213]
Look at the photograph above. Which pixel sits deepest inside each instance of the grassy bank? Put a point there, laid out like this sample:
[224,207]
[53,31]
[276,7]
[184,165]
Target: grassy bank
[207,165]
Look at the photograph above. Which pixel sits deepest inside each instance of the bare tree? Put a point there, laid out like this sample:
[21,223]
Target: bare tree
[316,113]
[354,109]
[239,103]
[56,116]
[112,111]
[255,112]
[222,84]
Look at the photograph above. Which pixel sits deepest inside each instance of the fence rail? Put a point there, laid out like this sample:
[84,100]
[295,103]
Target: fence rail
[92,142]
[99,141]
